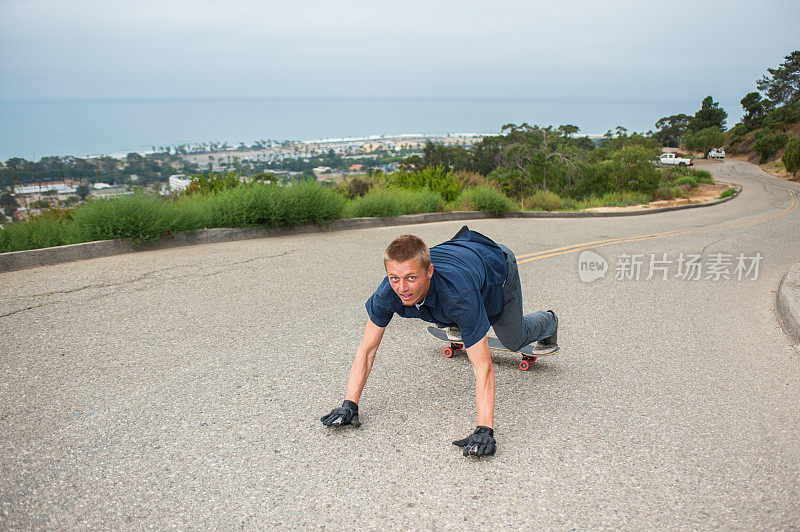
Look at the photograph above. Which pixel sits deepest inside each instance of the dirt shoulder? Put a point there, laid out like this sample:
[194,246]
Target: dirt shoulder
[704,193]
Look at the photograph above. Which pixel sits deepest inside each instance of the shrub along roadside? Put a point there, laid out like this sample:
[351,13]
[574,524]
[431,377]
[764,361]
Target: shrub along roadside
[143,219]
[382,202]
[484,198]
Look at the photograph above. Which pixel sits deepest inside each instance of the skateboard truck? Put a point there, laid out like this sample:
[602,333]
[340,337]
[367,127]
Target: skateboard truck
[448,352]
[526,362]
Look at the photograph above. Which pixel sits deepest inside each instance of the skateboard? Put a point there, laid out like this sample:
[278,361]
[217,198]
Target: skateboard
[528,358]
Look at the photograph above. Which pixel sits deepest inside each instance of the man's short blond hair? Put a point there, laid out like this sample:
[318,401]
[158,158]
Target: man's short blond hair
[408,247]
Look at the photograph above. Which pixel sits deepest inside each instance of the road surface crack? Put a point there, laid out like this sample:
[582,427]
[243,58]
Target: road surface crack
[218,268]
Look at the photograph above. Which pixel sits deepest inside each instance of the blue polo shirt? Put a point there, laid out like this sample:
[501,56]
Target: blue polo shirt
[466,289]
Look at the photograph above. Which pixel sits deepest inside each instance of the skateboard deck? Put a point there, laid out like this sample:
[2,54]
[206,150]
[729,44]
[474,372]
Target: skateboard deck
[528,357]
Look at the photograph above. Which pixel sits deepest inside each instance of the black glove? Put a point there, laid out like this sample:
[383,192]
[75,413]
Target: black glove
[346,415]
[479,443]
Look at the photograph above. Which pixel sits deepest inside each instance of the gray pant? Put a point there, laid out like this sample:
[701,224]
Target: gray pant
[513,329]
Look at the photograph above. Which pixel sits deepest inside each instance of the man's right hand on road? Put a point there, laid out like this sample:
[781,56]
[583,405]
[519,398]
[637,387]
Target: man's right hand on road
[346,415]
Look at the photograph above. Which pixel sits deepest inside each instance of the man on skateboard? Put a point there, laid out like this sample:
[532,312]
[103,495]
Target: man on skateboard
[467,284]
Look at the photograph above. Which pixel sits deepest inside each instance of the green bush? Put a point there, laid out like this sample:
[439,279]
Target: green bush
[437,179]
[355,187]
[729,192]
[212,182]
[486,199]
[669,192]
[420,201]
[143,219]
[48,229]
[610,199]
[738,133]
[687,180]
[768,145]
[261,205]
[779,116]
[471,179]
[633,170]
[383,202]
[220,181]
[791,156]
[701,176]
[544,200]
[624,198]
[138,218]
[676,173]
[597,178]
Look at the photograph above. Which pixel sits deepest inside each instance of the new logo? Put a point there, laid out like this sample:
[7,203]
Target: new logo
[591,266]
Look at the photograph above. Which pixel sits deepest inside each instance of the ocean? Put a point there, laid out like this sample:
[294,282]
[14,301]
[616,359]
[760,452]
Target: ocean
[34,129]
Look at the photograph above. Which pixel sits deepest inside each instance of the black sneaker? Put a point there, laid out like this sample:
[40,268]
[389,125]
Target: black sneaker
[548,345]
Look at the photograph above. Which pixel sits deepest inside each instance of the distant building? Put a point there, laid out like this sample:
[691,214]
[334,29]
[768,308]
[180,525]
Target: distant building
[320,171]
[58,188]
[178,182]
[110,191]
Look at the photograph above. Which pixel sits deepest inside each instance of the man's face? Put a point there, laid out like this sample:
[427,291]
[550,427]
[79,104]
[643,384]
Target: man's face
[409,280]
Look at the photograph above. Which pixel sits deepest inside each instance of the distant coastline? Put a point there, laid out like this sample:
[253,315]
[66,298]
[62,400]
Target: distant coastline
[32,129]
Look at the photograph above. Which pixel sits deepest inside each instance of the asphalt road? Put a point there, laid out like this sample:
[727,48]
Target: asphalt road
[183,387]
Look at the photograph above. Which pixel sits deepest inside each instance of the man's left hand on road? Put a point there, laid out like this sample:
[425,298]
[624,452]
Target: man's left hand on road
[479,443]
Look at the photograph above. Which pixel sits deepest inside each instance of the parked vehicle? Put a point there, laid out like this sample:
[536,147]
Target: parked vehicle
[669,159]
[717,153]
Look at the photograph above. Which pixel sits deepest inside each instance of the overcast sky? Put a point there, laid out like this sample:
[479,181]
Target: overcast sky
[586,50]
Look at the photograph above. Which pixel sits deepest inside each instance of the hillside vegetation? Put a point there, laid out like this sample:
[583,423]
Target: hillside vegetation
[769,133]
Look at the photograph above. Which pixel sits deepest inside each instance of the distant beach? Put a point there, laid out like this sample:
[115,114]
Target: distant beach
[34,129]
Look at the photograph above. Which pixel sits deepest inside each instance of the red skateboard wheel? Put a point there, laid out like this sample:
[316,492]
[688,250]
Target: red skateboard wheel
[524,365]
[448,352]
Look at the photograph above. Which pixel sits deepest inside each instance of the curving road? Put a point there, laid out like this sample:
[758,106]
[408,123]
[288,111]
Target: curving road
[183,387]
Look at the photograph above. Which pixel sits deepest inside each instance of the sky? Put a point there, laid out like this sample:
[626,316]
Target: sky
[560,50]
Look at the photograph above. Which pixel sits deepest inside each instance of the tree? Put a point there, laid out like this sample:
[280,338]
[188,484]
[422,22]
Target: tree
[450,157]
[540,157]
[671,129]
[755,110]
[486,154]
[782,84]
[704,140]
[791,156]
[780,117]
[709,115]
[134,159]
[568,130]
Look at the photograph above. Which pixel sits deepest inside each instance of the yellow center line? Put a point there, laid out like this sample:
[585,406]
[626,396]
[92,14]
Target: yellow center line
[530,257]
